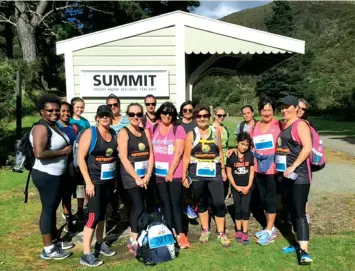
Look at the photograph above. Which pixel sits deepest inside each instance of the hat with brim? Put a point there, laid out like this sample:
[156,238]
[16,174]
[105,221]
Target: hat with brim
[289,100]
[104,110]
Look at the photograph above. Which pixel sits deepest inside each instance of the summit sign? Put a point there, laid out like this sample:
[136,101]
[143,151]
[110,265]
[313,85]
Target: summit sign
[101,83]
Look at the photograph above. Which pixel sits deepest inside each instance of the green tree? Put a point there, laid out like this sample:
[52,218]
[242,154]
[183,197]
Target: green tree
[281,21]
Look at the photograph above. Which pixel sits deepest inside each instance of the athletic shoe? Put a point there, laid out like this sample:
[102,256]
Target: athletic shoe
[259,234]
[290,249]
[132,246]
[56,253]
[205,236]
[183,241]
[305,258]
[190,212]
[265,239]
[245,239]
[90,260]
[64,245]
[238,236]
[104,249]
[222,238]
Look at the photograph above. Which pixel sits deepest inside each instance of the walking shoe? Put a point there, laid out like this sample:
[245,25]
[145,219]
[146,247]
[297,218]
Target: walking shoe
[104,249]
[259,234]
[190,212]
[132,246]
[290,249]
[245,239]
[62,244]
[265,239]
[56,253]
[238,236]
[90,260]
[222,238]
[183,241]
[305,258]
[205,236]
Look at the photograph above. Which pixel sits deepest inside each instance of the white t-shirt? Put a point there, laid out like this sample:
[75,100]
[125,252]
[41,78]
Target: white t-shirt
[54,166]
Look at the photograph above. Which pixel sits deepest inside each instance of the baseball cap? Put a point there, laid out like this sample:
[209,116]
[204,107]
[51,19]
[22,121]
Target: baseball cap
[289,100]
[104,110]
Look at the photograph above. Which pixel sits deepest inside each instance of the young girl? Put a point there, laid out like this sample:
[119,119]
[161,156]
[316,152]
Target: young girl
[82,124]
[240,171]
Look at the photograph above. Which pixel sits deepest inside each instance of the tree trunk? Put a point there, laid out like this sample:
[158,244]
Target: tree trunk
[26,32]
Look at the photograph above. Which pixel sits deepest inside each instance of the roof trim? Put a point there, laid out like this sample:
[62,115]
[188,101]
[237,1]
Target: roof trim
[192,20]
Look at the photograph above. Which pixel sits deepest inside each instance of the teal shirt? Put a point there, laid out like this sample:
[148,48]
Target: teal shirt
[82,124]
[123,123]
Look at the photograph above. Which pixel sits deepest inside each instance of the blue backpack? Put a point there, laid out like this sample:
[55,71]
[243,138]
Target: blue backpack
[92,143]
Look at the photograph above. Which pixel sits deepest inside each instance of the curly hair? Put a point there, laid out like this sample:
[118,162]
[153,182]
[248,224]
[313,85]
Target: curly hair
[47,98]
[167,106]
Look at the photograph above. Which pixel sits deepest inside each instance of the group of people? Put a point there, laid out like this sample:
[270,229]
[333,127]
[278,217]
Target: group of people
[136,155]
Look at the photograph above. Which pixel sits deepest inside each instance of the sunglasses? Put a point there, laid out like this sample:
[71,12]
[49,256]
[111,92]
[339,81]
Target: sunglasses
[167,113]
[221,115]
[303,109]
[150,104]
[113,105]
[52,110]
[205,116]
[187,110]
[132,114]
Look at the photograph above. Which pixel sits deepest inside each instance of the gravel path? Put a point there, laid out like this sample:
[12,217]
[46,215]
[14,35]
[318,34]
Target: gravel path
[340,143]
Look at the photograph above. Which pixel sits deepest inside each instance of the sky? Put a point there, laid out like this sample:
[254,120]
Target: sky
[219,9]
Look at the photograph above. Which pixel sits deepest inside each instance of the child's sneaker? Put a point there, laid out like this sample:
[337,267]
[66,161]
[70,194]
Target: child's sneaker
[245,239]
[205,236]
[238,236]
[222,238]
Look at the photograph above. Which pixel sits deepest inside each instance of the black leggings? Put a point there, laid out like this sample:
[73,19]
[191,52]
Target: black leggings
[49,191]
[98,203]
[136,196]
[296,199]
[241,205]
[216,190]
[267,189]
[170,194]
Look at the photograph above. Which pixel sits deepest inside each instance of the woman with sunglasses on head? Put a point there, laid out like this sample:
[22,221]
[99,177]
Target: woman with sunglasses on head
[137,161]
[168,144]
[218,118]
[51,149]
[119,121]
[97,163]
[294,146]
[264,136]
[203,161]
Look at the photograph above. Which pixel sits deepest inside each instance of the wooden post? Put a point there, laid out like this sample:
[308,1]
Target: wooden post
[18,105]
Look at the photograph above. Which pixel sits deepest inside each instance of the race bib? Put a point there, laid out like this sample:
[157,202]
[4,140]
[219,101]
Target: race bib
[141,168]
[206,169]
[108,171]
[264,142]
[281,164]
[161,168]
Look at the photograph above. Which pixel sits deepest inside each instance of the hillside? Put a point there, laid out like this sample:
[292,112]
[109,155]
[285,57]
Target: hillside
[325,74]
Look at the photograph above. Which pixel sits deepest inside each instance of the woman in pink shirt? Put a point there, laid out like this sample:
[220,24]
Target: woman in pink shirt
[265,134]
[168,145]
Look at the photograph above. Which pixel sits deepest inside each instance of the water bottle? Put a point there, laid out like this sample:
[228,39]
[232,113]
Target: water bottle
[20,159]
[317,153]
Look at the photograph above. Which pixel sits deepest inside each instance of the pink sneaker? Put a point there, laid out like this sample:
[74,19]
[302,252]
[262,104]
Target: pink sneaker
[245,239]
[238,236]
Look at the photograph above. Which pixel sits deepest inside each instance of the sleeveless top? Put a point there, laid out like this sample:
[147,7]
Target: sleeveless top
[265,147]
[138,154]
[102,160]
[55,166]
[205,162]
[224,141]
[124,122]
[287,152]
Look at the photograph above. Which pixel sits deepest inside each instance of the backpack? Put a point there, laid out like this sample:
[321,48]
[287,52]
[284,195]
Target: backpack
[156,242]
[92,143]
[316,151]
